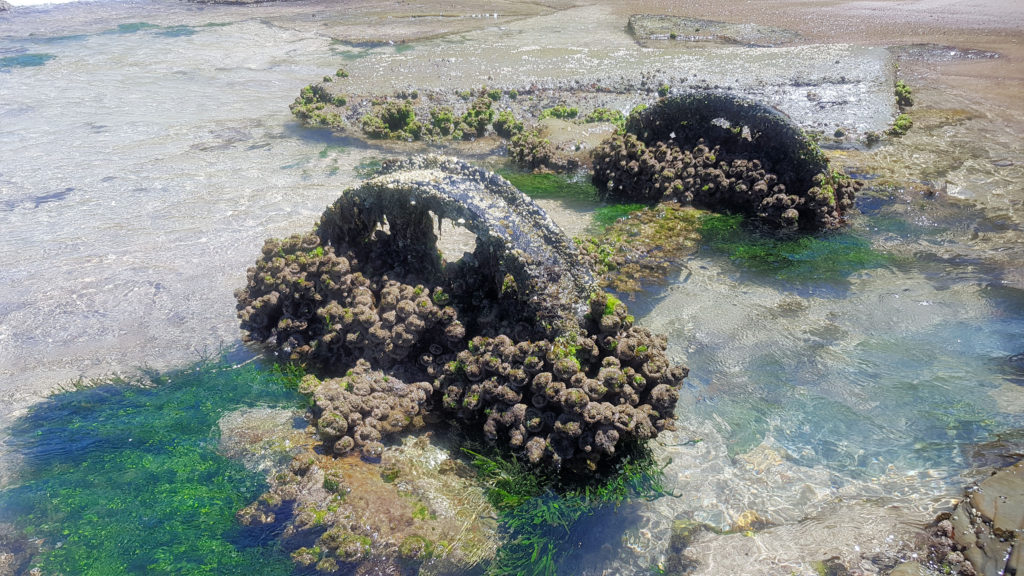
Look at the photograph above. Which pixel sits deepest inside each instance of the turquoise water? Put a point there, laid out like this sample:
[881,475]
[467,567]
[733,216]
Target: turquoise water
[830,373]
[855,356]
[24,60]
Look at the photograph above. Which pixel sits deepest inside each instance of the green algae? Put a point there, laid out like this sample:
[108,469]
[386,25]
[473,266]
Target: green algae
[637,244]
[645,245]
[551,186]
[124,478]
[349,51]
[494,94]
[901,125]
[369,168]
[607,215]
[904,95]
[561,112]
[316,106]
[392,121]
[330,149]
[478,116]
[25,60]
[615,117]
[538,510]
[506,125]
[823,257]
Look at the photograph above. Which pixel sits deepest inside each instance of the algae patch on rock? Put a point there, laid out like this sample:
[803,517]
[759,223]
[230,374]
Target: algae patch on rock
[828,256]
[644,246]
[417,510]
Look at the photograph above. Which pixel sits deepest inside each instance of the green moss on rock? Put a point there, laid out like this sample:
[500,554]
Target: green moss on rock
[416,547]
[561,112]
[478,116]
[317,106]
[506,125]
[904,95]
[347,546]
[392,121]
[901,125]
[606,115]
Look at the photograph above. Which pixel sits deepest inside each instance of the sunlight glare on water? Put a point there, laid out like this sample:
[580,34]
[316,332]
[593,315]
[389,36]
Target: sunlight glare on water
[150,167]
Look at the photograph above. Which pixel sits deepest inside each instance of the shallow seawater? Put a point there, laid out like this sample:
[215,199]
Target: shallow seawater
[838,377]
[862,378]
[150,165]
[895,363]
[125,477]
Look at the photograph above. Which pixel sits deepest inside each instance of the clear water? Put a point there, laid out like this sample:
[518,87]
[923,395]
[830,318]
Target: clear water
[124,479]
[143,169]
[148,151]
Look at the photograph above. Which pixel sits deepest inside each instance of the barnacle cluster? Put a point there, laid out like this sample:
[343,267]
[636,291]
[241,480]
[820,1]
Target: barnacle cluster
[719,152]
[403,335]
[314,307]
[363,407]
[529,149]
[570,400]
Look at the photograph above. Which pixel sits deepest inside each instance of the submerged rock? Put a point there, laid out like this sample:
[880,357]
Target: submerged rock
[418,512]
[1004,449]
[909,569]
[264,439]
[16,550]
